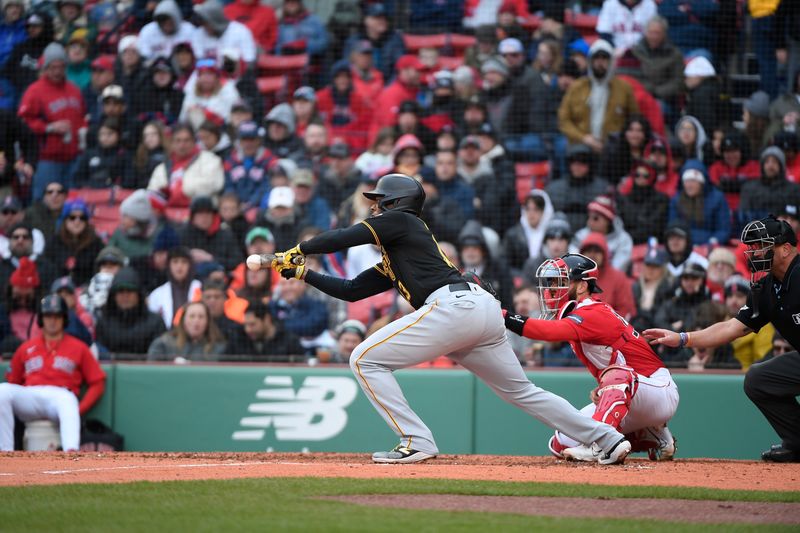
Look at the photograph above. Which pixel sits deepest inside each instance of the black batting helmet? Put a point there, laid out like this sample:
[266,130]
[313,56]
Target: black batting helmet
[761,236]
[398,192]
[52,304]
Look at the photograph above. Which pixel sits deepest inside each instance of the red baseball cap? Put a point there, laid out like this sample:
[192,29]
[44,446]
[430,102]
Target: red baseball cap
[408,61]
[104,62]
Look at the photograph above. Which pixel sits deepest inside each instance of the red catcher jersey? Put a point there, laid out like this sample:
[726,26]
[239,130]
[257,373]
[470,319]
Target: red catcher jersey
[65,363]
[605,339]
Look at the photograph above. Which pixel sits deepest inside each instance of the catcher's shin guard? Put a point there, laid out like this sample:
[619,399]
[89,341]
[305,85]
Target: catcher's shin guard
[618,385]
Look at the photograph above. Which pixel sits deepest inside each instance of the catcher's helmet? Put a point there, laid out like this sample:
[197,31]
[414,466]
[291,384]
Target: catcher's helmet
[761,236]
[52,304]
[555,275]
[398,192]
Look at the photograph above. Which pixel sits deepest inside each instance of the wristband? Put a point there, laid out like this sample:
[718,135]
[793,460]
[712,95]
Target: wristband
[685,339]
[516,323]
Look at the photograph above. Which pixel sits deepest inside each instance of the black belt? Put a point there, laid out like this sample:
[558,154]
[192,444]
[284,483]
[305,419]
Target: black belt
[461,286]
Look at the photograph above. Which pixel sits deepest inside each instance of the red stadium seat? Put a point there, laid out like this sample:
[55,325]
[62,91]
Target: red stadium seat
[459,43]
[450,63]
[584,23]
[92,196]
[121,194]
[530,176]
[532,23]
[105,219]
[271,84]
[272,64]
[415,42]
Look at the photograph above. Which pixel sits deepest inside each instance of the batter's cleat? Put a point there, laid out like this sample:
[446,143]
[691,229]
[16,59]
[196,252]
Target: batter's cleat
[667,445]
[401,455]
[778,454]
[594,454]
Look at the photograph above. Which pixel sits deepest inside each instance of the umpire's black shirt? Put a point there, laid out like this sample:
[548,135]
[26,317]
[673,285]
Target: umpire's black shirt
[412,261]
[778,303]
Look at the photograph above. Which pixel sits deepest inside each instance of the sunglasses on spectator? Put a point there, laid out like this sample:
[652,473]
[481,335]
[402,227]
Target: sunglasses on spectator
[54,191]
[78,217]
[9,212]
[20,236]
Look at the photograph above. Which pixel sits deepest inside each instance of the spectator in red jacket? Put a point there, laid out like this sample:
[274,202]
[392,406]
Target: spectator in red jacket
[405,87]
[343,108]
[617,288]
[735,168]
[259,18]
[54,110]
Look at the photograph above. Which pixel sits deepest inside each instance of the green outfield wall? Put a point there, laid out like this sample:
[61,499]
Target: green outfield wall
[258,408]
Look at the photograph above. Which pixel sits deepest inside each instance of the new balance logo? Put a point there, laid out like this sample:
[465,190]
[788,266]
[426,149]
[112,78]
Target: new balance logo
[317,411]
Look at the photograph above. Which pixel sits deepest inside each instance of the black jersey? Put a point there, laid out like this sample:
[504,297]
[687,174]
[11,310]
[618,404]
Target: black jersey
[779,303]
[412,260]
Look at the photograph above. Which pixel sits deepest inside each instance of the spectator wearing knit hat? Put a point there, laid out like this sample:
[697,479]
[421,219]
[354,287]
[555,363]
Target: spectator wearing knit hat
[772,191]
[20,298]
[702,205]
[344,108]
[602,218]
[721,267]
[56,126]
[755,115]
[180,287]
[152,268]
[702,92]
[281,138]
[210,97]
[94,294]
[130,70]
[75,244]
[138,226]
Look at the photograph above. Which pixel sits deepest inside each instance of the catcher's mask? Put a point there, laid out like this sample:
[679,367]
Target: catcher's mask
[555,276]
[760,237]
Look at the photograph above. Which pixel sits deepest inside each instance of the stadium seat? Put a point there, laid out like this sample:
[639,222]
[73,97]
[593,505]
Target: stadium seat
[120,194]
[450,63]
[105,219]
[415,42]
[272,64]
[530,176]
[585,24]
[271,84]
[92,196]
[459,43]
[532,23]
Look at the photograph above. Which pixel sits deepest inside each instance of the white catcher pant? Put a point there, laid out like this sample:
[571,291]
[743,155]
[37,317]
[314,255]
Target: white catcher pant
[468,327]
[39,402]
[654,405]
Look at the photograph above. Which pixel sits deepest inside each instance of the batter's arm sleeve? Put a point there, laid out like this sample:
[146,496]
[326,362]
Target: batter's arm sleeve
[543,330]
[366,284]
[338,239]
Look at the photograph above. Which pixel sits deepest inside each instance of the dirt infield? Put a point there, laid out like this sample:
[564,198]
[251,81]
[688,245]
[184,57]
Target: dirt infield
[57,468]
[695,511]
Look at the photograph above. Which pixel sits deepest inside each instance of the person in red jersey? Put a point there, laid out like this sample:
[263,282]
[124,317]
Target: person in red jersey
[635,392]
[45,377]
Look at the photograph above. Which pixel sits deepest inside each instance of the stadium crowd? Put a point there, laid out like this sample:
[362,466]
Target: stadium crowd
[146,148]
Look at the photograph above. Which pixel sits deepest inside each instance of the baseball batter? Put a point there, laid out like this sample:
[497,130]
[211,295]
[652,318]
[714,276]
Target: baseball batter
[635,392]
[45,378]
[452,317]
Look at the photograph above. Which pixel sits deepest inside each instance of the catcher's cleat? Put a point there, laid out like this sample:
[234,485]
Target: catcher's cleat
[401,454]
[667,447]
[615,455]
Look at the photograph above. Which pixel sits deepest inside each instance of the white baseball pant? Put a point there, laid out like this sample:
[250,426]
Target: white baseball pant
[38,402]
[468,327]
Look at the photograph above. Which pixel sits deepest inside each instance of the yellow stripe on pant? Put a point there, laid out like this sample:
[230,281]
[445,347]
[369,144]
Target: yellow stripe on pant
[358,367]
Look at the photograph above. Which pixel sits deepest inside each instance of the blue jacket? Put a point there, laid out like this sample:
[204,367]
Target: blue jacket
[693,27]
[456,189]
[443,14]
[385,52]
[10,36]
[716,213]
[248,178]
[305,318]
[309,29]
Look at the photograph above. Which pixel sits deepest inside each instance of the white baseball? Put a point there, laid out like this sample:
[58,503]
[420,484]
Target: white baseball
[254,262]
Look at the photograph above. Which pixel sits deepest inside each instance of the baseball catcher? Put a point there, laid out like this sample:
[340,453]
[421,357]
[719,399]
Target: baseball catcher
[635,392]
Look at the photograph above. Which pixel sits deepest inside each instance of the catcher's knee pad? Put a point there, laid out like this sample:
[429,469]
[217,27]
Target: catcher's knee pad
[618,385]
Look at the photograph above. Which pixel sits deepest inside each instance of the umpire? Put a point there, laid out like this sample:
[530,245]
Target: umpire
[775,384]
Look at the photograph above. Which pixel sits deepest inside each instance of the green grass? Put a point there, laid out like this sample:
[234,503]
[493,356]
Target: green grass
[290,504]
